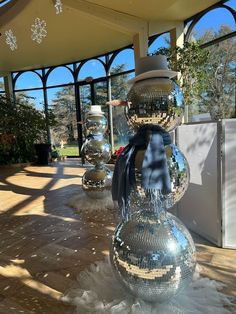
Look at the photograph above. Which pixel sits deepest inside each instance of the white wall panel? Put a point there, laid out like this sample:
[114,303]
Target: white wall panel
[200,208]
[229,183]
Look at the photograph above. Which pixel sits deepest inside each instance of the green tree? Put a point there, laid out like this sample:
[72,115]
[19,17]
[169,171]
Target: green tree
[207,75]
[219,95]
[64,110]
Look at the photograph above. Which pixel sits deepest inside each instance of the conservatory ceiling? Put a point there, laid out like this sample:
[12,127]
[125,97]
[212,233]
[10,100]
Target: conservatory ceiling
[82,29]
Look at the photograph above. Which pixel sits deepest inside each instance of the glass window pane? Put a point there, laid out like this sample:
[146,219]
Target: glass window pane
[124,61]
[161,41]
[2,87]
[102,58]
[231,3]
[214,24]
[100,90]
[121,129]
[93,68]
[85,100]
[59,76]
[39,72]
[34,97]
[218,100]
[65,134]
[28,80]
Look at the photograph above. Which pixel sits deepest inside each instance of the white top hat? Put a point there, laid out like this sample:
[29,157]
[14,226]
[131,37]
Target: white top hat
[95,110]
[152,66]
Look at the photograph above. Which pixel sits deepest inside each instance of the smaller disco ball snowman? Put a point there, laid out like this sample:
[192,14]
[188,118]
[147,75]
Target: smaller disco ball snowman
[155,101]
[96,181]
[153,255]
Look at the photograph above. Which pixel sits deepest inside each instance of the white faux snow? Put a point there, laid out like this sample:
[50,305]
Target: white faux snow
[99,292]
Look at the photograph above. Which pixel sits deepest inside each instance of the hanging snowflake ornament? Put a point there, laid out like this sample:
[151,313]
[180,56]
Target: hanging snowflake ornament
[58,6]
[38,30]
[11,39]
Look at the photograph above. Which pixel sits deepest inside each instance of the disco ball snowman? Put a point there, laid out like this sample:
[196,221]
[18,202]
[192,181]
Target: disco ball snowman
[152,252]
[96,181]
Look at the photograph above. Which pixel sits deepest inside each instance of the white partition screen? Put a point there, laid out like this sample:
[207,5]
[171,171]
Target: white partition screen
[200,208]
[229,186]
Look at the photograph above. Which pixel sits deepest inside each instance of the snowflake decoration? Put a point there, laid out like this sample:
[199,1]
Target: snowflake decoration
[58,6]
[38,30]
[11,39]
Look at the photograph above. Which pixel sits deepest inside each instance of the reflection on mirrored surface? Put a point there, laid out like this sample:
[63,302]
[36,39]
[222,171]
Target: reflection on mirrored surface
[179,177]
[155,101]
[153,255]
[96,182]
[97,150]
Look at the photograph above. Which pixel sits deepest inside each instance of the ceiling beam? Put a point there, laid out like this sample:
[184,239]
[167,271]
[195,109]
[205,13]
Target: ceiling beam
[116,20]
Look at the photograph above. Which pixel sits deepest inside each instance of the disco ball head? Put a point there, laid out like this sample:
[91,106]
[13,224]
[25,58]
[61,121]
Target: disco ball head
[155,101]
[95,123]
[96,182]
[153,256]
[179,176]
[97,150]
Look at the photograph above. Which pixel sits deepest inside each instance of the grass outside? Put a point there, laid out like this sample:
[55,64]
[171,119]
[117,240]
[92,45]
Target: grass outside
[73,150]
[68,150]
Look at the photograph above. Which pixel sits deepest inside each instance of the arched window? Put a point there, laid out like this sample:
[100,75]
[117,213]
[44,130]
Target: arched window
[93,68]
[217,100]
[28,79]
[2,88]
[123,61]
[214,24]
[33,97]
[161,41]
[60,75]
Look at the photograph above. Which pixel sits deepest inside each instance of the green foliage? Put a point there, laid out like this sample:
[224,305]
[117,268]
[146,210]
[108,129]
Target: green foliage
[64,110]
[207,75]
[191,63]
[21,126]
[219,96]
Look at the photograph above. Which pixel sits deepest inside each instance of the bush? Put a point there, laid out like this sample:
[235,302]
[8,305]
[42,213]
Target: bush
[21,126]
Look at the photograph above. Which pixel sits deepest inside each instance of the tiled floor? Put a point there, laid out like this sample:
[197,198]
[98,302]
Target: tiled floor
[44,243]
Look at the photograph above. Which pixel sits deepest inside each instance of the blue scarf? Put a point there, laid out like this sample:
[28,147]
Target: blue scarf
[154,172]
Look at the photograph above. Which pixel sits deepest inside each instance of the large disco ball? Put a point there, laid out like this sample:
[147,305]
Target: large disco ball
[153,257]
[97,150]
[179,176]
[96,182]
[155,101]
[95,123]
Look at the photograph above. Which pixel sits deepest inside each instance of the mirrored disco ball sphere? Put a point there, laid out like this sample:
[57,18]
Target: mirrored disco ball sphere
[153,258]
[95,124]
[178,170]
[96,182]
[97,150]
[155,101]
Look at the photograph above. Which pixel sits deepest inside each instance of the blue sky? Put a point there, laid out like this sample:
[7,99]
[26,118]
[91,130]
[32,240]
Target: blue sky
[95,69]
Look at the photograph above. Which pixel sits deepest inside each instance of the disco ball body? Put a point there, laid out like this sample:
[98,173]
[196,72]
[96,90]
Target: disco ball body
[155,101]
[153,257]
[96,182]
[97,150]
[179,176]
[95,124]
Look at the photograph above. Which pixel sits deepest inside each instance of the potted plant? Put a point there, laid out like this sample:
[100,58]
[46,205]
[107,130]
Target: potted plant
[21,127]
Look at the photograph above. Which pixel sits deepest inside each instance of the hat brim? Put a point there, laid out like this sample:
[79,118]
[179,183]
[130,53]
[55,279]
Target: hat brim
[153,74]
[95,112]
